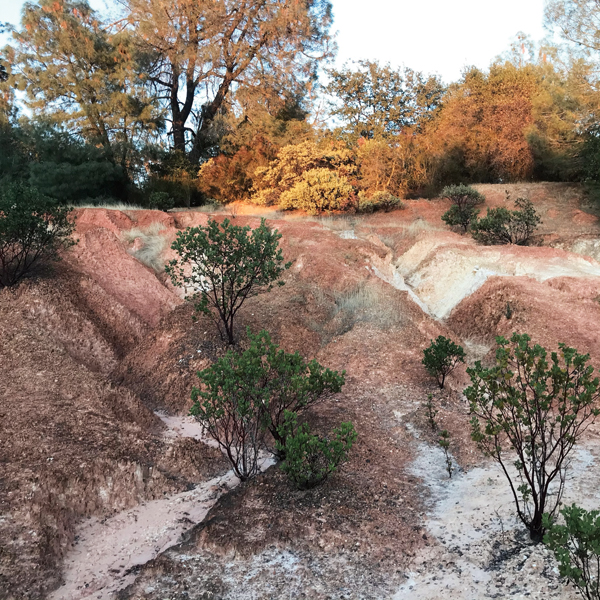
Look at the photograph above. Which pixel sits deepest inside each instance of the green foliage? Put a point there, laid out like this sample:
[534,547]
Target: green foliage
[576,546]
[538,410]
[378,201]
[77,73]
[223,265]
[503,226]
[464,199]
[431,412]
[317,191]
[246,396]
[161,201]
[309,458]
[444,442]
[33,229]
[442,357]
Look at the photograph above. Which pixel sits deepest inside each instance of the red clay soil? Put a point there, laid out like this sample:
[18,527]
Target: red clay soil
[92,350]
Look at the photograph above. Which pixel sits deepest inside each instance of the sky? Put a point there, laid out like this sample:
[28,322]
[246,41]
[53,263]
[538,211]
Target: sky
[434,36]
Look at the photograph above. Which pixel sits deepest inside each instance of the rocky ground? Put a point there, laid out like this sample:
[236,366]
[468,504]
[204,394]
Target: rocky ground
[106,490]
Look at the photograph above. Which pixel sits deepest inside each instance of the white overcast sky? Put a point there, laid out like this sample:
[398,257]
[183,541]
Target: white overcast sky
[434,36]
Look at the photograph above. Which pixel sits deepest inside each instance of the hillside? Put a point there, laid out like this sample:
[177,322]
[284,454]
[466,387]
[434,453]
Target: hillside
[107,488]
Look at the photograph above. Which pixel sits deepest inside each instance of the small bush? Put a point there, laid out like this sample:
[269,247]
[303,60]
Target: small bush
[464,199]
[503,226]
[309,458]
[33,230]
[161,201]
[378,201]
[226,264]
[529,410]
[576,546]
[442,357]
[245,397]
[317,191]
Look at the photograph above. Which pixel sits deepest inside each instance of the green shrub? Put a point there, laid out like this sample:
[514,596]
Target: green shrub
[441,358]
[161,201]
[503,226]
[464,199]
[309,458]
[245,397]
[33,230]
[225,264]
[378,201]
[576,546]
[317,191]
[535,410]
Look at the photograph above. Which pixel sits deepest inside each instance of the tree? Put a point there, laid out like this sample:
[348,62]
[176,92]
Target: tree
[442,357]
[526,408]
[198,53]
[33,230]
[464,199]
[576,546]
[247,396]
[374,101]
[503,226]
[82,76]
[578,21]
[309,458]
[224,265]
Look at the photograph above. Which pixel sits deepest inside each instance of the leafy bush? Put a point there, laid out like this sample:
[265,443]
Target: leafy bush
[33,230]
[309,458]
[378,201]
[245,397]
[576,546]
[161,201]
[441,358]
[503,226]
[224,265]
[292,163]
[318,190]
[464,199]
[525,406]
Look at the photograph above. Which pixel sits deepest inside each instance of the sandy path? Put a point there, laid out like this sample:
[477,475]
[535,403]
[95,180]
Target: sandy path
[106,550]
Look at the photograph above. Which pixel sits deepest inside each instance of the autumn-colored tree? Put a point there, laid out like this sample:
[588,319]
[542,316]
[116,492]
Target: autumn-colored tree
[369,100]
[482,131]
[198,53]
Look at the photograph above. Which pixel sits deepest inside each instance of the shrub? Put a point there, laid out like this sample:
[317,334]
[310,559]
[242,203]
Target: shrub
[525,406]
[503,226]
[464,199]
[309,458]
[441,358]
[161,201]
[378,201]
[292,163]
[224,265]
[33,230]
[246,396]
[318,190]
[576,546]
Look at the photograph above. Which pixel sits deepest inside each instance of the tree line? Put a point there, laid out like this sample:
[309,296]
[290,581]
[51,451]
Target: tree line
[194,102]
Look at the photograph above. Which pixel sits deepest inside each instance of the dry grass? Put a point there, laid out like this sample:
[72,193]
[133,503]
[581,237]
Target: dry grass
[111,206]
[152,244]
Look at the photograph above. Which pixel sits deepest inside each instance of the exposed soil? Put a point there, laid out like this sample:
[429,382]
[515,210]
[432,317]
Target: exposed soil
[101,497]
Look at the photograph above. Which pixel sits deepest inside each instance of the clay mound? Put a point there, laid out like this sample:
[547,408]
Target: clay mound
[104,258]
[558,310]
[444,268]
